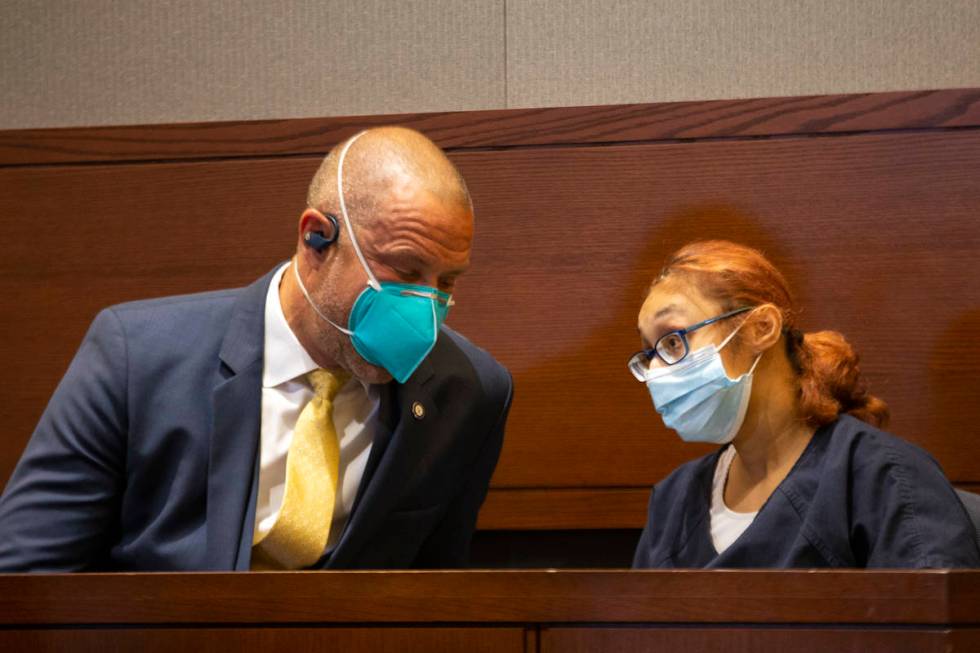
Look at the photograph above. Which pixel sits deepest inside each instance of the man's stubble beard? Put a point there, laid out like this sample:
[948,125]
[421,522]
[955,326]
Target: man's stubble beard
[338,346]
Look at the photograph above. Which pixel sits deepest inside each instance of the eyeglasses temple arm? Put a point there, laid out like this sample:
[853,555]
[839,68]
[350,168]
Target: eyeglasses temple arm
[712,320]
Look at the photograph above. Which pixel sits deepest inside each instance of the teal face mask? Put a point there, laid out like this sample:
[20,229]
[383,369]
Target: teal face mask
[392,325]
[397,326]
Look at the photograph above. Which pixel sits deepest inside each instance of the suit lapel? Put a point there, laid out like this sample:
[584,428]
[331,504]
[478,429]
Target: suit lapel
[398,448]
[236,405]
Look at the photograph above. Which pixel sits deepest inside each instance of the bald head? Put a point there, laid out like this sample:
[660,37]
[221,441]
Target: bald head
[380,160]
[412,224]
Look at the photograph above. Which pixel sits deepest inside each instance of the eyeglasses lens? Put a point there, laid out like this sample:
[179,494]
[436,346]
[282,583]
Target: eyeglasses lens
[638,365]
[672,348]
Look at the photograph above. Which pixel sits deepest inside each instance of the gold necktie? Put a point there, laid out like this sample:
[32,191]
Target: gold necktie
[298,537]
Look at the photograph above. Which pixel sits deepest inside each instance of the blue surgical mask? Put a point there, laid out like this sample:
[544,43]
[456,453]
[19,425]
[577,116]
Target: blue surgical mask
[392,325]
[697,398]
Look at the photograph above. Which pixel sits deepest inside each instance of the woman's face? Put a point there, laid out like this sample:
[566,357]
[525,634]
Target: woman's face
[677,304]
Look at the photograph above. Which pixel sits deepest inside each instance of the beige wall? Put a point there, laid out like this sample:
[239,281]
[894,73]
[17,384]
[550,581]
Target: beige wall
[97,62]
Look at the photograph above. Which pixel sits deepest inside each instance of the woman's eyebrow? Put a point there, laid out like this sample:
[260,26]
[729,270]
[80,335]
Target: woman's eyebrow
[669,308]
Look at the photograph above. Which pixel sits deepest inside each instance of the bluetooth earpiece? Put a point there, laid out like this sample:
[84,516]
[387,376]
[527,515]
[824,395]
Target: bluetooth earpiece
[317,240]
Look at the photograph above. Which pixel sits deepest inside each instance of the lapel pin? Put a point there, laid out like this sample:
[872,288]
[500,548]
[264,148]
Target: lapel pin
[418,410]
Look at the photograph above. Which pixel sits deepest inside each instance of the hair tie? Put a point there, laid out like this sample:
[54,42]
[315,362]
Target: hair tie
[794,337]
[797,336]
[794,347]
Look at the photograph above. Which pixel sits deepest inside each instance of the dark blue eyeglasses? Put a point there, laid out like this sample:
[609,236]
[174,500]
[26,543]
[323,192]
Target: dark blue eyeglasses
[672,347]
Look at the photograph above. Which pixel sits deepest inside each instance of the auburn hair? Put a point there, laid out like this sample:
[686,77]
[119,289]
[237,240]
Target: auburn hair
[830,381]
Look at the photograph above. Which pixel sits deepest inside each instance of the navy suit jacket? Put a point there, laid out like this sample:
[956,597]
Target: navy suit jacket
[146,457]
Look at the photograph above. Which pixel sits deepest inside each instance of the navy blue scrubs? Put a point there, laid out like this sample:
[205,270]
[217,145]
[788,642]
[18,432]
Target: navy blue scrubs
[857,497]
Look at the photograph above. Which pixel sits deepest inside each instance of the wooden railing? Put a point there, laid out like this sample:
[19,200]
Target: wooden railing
[521,611]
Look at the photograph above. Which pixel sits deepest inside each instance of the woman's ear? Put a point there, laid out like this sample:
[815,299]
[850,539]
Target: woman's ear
[763,328]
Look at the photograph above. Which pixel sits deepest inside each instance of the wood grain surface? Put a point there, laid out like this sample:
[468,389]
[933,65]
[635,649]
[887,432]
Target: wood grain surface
[875,233]
[877,228]
[372,639]
[821,114]
[726,640]
[564,508]
[878,235]
[495,597]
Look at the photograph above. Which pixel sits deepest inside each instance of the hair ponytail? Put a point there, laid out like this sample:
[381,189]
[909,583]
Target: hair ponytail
[827,367]
[831,381]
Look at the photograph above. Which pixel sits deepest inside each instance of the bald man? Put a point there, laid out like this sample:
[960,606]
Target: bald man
[322,417]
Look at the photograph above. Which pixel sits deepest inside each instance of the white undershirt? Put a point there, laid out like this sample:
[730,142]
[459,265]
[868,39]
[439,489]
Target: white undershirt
[285,392]
[726,524]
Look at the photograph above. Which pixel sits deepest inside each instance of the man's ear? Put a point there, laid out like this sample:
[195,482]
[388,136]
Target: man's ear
[763,327]
[317,230]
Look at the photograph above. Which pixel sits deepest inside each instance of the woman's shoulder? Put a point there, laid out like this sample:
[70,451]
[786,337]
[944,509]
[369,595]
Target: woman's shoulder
[884,469]
[867,446]
[902,506]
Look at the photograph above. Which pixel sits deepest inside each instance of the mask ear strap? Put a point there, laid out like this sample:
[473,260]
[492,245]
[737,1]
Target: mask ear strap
[372,281]
[732,335]
[312,304]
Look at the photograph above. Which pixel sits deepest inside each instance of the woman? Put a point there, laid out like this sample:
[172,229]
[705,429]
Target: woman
[805,477]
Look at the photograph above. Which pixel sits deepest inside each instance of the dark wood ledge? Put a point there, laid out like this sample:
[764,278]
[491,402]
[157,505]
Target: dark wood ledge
[542,596]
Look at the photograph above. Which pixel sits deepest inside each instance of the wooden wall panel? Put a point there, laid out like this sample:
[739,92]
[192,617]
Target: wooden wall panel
[76,239]
[372,639]
[726,640]
[815,114]
[878,232]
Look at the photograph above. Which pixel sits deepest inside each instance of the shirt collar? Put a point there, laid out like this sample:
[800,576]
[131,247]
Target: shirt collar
[284,358]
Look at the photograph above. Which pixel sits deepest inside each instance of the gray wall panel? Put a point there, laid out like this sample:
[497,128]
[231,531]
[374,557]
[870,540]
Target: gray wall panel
[97,62]
[580,52]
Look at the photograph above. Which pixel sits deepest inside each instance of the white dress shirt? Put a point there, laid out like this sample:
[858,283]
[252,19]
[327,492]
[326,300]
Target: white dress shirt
[285,392]
[726,524]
